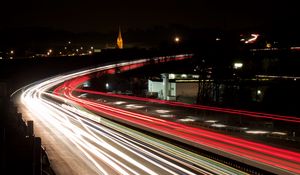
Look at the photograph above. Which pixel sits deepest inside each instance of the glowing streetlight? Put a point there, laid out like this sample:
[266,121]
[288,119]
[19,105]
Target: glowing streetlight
[237,65]
[183,76]
[177,39]
[258,92]
[12,52]
[172,76]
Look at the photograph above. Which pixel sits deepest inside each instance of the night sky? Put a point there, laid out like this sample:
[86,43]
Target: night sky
[102,16]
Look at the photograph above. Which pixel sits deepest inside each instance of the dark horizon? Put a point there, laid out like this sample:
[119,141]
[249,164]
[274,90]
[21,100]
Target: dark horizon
[97,16]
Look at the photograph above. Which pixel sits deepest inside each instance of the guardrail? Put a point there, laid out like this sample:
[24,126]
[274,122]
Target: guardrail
[21,151]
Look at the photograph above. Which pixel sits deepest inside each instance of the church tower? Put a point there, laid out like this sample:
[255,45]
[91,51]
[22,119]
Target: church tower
[119,40]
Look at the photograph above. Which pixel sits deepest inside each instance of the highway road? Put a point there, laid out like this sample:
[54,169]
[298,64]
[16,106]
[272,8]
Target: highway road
[276,160]
[79,141]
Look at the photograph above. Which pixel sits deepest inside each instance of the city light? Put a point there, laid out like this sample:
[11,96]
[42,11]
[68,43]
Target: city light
[253,39]
[171,76]
[183,76]
[258,92]
[177,39]
[237,65]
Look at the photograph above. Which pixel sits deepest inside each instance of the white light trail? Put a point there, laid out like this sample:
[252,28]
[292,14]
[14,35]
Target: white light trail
[100,146]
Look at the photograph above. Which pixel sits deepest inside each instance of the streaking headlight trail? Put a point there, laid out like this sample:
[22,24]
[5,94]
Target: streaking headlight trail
[105,146]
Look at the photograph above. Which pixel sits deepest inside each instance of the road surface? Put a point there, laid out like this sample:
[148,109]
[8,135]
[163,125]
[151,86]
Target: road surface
[79,141]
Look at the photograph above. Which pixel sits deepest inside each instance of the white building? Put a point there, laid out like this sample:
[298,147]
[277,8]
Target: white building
[172,86]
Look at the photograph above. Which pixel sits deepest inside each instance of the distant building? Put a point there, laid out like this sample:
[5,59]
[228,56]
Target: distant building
[174,86]
[119,40]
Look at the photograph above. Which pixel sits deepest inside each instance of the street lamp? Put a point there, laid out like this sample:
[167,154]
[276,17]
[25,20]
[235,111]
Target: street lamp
[177,39]
[258,92]
[237,65]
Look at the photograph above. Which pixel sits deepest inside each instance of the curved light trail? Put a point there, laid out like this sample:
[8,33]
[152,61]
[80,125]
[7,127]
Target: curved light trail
[105,146]
[274,158]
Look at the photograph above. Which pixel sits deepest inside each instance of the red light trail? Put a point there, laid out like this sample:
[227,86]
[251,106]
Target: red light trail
[265,154]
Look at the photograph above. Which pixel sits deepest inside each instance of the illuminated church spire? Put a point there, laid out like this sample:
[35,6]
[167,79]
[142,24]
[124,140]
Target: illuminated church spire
[119,40]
